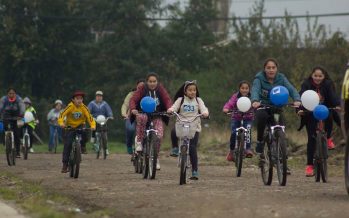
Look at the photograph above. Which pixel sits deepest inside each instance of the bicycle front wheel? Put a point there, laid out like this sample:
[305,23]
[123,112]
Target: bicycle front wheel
[153,154]
[104,144]
[10,156]
[346,166]
[266,166]
[239,154]
[281,158]
[183,165]
[74,163]
[320,162]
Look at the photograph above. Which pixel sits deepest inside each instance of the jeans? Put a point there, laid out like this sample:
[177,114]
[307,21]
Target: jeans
[52,132]
[236,124]
[130,132]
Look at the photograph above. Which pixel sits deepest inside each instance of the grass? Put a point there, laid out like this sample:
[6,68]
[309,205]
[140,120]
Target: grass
[37,202]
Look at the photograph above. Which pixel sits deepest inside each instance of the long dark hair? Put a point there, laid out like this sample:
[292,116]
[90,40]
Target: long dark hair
[181,91]
[326,75]
[249,86]
[271,60]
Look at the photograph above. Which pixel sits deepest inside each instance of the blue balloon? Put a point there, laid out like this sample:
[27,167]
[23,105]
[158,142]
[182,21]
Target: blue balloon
[148,104]
[1,126]
[320,112]
[279,95]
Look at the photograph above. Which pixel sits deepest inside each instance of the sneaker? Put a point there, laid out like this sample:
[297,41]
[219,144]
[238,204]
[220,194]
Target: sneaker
[330,144]
[18,156]
[139,146]
[248,153]
[158,165]
[288,171]
[230,156]
[31,150]
[96,147]
[259,147]
[194,175]
[64,168]
[309,171]
[129,150]
[106,151]
[174,152]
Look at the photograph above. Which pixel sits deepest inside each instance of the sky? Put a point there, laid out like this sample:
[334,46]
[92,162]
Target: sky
[241,8]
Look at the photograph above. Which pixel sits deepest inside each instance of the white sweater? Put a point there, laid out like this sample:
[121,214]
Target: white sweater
[190,108]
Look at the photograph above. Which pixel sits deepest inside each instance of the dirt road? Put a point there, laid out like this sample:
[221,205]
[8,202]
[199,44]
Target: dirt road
[113,184]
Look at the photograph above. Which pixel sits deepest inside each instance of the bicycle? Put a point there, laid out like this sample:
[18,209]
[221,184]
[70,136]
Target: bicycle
[241,140]
[101,136]
[9,140]
[149,153]
[346,165]
[184,132]
[75,153]
[275,151]
[25,141]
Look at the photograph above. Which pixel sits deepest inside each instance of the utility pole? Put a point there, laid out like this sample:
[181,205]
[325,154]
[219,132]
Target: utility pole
[221,27]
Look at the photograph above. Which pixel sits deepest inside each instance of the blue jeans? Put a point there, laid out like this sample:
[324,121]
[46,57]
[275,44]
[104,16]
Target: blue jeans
[130,132]
[52,132]
[236,124]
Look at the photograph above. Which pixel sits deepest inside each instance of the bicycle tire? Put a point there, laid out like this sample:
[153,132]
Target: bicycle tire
[140,164]
[153,154]
[99,141]
[26,146]
[239,155]
[267,166]
[145,168]
[183,165]
[135,160]
[104,144]
[346,166]
[9,154]
[281,160]
[320,162]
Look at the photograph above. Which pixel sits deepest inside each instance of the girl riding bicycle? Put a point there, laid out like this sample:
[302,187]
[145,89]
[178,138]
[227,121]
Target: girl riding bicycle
[320,82]
[31,125]
[236,116]
[154,89]
[189,104]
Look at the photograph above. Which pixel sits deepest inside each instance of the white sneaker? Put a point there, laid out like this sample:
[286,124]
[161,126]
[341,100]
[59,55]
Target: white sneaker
[107,151]
[31,150]
[139,146]
[158,165]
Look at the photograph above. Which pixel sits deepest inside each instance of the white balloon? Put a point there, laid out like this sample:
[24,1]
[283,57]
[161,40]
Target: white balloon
[28,117]
[244,104]
[100,119]
[310,99]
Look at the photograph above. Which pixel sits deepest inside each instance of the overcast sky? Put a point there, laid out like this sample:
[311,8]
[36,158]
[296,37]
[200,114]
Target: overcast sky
[241,8]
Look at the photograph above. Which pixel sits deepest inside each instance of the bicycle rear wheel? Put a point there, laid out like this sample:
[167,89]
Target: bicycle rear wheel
[25,147]
[153,154]
[346,166]
[183,165]
[281,158]
[239,154]
[266,166]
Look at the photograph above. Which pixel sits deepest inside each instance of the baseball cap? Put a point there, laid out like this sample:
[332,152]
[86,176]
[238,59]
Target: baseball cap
[99,93]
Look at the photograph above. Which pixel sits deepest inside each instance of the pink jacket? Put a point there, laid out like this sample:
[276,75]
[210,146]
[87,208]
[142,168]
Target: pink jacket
[236,115]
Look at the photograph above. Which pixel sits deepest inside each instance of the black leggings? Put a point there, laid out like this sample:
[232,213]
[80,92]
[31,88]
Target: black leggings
[263,117]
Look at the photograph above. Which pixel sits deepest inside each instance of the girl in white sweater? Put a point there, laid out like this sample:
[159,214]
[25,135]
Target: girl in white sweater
[188,104]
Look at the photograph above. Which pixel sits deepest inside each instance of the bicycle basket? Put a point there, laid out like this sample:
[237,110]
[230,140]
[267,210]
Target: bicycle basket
[185,129]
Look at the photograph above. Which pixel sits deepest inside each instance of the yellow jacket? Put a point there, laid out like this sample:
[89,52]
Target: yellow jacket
[345,86]
[76,116]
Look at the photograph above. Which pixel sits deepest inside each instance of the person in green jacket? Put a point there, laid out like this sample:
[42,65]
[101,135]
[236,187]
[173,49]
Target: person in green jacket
[263,83]
[125,113]
[31,125]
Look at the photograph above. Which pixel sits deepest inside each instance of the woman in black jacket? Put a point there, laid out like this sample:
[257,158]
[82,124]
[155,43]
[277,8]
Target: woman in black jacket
[320,82]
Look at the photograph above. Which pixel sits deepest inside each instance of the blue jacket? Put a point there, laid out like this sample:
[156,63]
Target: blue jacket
[102,108]
[261,87]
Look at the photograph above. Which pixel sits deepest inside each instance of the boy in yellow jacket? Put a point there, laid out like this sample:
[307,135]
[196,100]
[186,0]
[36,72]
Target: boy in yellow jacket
[74,116]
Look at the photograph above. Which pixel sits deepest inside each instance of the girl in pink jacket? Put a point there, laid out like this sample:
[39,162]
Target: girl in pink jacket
[237,117]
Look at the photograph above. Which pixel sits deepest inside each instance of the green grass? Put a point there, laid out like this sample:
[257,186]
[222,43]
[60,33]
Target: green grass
[37,202]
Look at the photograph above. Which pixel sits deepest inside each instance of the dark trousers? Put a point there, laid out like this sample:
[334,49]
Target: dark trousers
[130,132]
[262,118]
[68,141]
[236,124]
[16,133]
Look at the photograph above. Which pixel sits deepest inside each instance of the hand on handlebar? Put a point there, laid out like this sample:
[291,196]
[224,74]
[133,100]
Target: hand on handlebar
[205,115]
[134,112]
[256,104]
[297,103]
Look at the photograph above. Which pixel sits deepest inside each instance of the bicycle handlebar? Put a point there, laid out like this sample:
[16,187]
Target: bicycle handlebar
[180,117]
